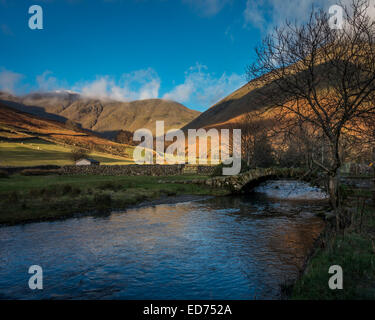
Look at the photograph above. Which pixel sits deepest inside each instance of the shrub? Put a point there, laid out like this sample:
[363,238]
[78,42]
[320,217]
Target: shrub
[108,186]
[125,137]
[50,191]
[76,191]
[34,193]
[168,193]
[78,153]
[39,172]
[102,200]
[4,174]
[66,189]
[13,197]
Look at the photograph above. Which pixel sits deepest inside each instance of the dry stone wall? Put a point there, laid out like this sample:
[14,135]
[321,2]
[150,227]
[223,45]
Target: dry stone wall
[134,170]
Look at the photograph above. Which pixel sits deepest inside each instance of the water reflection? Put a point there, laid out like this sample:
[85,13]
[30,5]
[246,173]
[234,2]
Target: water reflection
[217,248]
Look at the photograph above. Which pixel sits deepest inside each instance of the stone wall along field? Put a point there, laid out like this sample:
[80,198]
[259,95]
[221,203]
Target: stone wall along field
[134,170]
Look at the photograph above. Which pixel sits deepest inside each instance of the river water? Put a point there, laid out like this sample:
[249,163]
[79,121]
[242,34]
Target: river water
[210,248]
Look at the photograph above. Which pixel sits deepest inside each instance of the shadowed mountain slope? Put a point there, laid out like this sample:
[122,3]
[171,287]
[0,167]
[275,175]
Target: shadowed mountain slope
[228,109]
[19,127]
[106,117]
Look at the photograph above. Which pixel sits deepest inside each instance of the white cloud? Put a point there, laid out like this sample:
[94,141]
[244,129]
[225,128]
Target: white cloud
[266,14]
[97,88]
[181,92]
[46,82]
[207,7]
[137,85]
[9,80]
[228,33]
[147,81]
[202,88]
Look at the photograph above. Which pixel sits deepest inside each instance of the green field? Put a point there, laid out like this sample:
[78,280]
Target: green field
[24,184]
[38,152]
[34,198]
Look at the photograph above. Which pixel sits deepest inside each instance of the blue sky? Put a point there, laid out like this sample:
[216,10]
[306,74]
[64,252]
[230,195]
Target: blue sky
[191,51]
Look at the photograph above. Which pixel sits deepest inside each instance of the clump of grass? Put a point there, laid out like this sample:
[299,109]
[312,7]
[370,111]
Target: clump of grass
[4,174]
[110,186]
[76,191]
[52,191]
[34,193]
[128,185]
[13,197]
[39,172]
[180,189]
[168,192]
[286,289]
[102,200]
[66,189]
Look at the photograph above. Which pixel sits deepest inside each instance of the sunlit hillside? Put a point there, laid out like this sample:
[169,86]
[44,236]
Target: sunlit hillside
[27,140]
[106,117]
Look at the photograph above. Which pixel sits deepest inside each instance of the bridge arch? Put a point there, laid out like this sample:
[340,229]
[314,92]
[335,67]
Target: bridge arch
[249,179]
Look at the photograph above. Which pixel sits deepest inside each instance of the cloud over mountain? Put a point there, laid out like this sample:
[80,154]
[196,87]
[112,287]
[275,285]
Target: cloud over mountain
[203,87]
[137,85]
[9,80]
[200,88]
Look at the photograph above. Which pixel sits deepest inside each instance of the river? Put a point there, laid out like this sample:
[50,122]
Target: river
[237,247]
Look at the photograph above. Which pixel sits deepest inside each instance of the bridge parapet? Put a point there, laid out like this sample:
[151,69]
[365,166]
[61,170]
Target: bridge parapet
[238,182]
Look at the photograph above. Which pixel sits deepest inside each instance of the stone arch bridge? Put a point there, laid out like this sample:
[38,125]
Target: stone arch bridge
[249,179]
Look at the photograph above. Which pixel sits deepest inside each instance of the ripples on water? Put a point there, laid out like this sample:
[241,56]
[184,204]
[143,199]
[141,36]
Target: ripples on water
[216,248]
[290,190]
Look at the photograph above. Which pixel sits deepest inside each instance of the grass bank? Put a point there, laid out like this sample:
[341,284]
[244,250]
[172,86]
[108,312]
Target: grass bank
[355,253]
[352,248]
[36,198]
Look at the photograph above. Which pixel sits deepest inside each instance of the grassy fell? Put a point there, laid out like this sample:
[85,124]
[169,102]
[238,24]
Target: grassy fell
[39,152]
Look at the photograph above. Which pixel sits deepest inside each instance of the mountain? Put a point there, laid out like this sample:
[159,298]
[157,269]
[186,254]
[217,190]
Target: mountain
[17,127]
[106,117]
[229,109]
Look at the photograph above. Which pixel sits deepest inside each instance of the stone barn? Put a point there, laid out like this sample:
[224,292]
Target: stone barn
[87,162]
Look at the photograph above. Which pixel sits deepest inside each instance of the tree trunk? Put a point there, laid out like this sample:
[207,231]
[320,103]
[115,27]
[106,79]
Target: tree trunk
[373,178]
[334,195]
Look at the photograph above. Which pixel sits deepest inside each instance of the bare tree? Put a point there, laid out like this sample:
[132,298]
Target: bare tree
[321,77]
[256,146]
[78,153]
[298,147]
[126,137]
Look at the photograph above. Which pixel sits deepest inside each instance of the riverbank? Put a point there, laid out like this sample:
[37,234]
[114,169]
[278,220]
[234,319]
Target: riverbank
[40,198]
[352,248]
[183,247]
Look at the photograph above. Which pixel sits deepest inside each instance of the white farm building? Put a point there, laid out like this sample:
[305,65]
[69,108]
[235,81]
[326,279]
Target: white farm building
[87,162]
